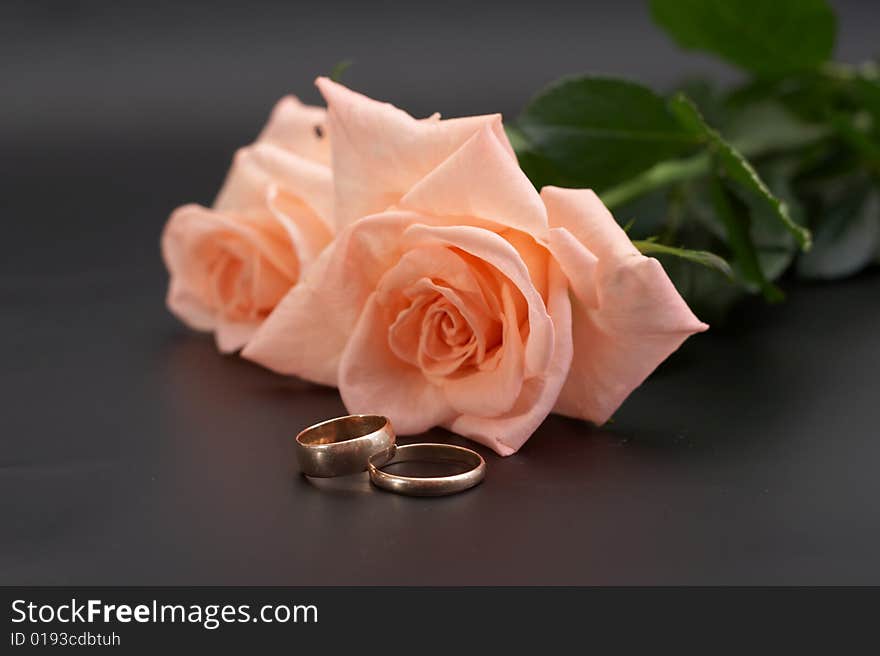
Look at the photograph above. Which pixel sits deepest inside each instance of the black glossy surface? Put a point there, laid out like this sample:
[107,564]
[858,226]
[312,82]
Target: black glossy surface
[132,453]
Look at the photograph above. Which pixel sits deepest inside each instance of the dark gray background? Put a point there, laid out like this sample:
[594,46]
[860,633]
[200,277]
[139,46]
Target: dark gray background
[131,453]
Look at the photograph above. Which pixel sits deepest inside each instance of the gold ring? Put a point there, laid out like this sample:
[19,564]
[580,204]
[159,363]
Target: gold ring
[344,445]
[428,486]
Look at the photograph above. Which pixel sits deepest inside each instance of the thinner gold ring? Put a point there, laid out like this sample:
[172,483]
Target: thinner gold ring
[344,445]
[428,486]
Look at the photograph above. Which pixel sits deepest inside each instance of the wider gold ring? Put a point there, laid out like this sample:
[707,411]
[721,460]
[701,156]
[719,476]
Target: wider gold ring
[344,445]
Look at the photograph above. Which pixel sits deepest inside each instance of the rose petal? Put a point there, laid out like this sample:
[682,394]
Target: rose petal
[436,262]
[309,328]
[374,380]
[191,226]
[406,334]
[628,323]
[420,267]
[231,336]
[640,321]
[505,434]
[440,356]
[577,262]
[584,215]
[298,128]
[480,180]
[380,152]
[189,308]
[257,167]
[496,251]
[195,237]
[308,232]
[489,393]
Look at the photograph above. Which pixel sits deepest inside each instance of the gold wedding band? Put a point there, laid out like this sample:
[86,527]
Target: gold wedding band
[344,445]
[428,486]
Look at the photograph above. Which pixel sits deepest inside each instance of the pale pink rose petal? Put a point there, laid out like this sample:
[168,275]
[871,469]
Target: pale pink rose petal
[480,180]
[257,167]
[576,258]
[309,328]
[372,379]
[298,128]
[494,384]
[498,252]
[506,433]
[404,334]
[534,253]
[493,392]
[380,152]
[192,225]
[306,230]
[451,336]
[189,307]
[632,322]
[435,262]
[194,239]
[418,291]
[273,215]
[618,348]
[584,215]
[231,335]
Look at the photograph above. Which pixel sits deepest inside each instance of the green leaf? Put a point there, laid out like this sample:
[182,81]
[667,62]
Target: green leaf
[708,96]
[857,135]
[738,171]
[708,292]
[861,84]
[734,215]
[598,132]
[760,130]
[767,127]
[766,37]
[775,244]
[847,238]
[660,175]
[867,91]
[707,259]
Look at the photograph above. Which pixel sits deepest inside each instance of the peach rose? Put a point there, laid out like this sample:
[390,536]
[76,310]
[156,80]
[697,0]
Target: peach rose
[463,298]
[380,151]
[230,265]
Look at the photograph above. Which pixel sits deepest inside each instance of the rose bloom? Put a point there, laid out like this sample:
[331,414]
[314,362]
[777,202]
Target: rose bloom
[231,264]
[456,295]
